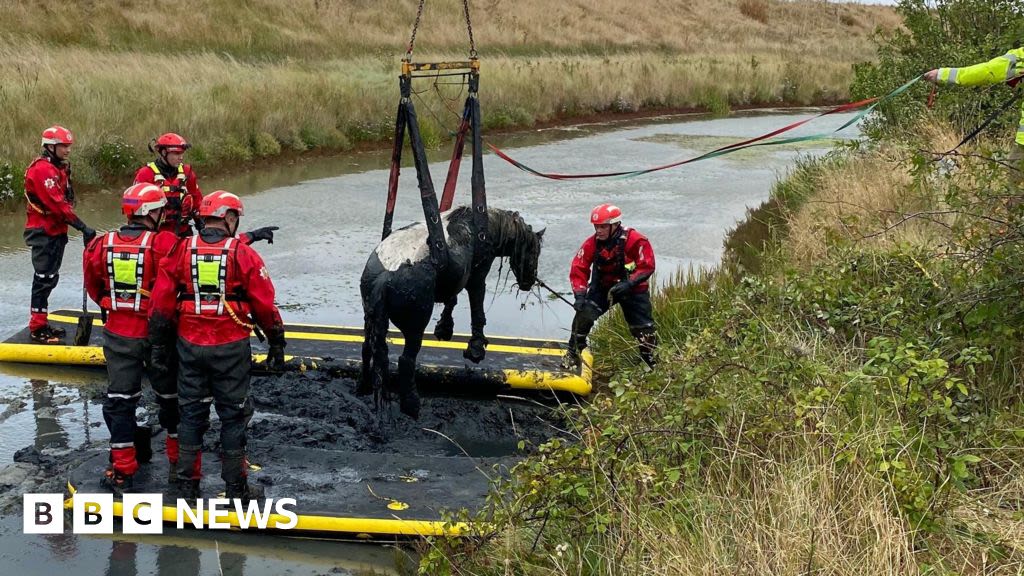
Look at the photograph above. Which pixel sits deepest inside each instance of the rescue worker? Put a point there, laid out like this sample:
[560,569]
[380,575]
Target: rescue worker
[178,182]
[612,267]
[49,207]
[1008,68]
[214,288]
[120,270]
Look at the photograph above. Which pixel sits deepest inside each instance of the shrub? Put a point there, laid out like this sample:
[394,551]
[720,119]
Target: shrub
[755,10]
[263,144]
[112,160]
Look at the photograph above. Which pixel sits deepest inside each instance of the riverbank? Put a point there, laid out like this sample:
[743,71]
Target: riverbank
[840,396]
[242,97]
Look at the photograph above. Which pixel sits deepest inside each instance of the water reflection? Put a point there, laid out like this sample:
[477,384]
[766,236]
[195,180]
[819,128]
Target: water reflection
[49,432]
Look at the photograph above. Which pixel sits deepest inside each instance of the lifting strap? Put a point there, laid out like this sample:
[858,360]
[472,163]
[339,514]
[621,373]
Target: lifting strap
[471,122]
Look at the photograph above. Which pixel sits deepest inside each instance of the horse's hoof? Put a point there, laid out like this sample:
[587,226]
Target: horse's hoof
[476,350]
[410,405]
[444,330]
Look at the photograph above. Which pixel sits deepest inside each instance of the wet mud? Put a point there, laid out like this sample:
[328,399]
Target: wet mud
[317,410]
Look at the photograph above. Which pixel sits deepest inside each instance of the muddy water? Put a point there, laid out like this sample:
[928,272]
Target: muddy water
[330,212]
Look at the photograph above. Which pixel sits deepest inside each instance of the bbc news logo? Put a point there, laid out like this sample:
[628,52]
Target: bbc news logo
[145,513]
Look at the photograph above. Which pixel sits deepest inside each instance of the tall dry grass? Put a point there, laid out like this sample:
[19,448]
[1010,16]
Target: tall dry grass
[247,79]
[319,29]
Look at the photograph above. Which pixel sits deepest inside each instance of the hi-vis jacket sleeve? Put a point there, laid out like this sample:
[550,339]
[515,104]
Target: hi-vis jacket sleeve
[996,71]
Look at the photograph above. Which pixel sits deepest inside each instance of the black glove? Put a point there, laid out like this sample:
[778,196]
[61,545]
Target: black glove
[581,302]
[265,233]
[159,358]
[620,290]
[275,356]
[87,233]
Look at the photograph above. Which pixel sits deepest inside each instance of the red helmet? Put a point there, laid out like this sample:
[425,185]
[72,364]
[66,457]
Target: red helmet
[217,205]
[605,214]
[172,142]
[141,199]
[57,134]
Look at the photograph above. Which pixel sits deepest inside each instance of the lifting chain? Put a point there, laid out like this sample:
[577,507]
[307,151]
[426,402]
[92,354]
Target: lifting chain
[416,26]
[469,28]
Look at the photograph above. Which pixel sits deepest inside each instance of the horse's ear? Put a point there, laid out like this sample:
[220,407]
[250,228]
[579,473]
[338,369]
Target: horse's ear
[540,235]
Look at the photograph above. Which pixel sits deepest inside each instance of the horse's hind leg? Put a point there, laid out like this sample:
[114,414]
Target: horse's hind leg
[445,326]
[409,398]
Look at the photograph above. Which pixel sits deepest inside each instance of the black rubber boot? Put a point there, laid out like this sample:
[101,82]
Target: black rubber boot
[243,491]
[143,444]
[571,359]
[117,482]
[185,489]
[647,342]
[189,462]
[409,399]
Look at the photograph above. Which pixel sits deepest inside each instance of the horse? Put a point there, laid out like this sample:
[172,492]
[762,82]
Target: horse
[400,284]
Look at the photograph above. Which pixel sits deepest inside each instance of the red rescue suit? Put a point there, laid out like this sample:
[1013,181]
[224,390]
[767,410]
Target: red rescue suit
[627,255]
[120,271]
[49,198]
[181,189]
[215,284]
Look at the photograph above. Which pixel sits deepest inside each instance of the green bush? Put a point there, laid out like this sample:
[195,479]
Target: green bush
[11,184]
[113,160]
[264,144]
[323,137]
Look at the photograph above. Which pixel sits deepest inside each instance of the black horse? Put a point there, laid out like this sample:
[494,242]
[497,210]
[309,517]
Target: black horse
[401,284]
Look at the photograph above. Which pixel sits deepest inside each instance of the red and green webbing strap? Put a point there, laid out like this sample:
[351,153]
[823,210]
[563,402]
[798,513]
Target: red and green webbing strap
[768,139]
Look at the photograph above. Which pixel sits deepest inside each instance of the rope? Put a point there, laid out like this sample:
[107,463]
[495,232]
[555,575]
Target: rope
[763,140]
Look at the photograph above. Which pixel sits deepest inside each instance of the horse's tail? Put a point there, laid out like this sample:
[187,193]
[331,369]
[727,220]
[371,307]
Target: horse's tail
[375,345]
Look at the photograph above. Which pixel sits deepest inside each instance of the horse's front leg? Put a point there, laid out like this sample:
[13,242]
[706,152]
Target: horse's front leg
[445,326]
[477,346]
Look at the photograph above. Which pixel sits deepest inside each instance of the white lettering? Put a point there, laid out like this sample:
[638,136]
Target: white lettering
[93,513]
[252,511]
[218,509]
[142,513]
[42,514]
[184,509]
[280,505]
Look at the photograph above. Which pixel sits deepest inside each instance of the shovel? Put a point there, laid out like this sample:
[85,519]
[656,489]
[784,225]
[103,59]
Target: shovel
[84,329]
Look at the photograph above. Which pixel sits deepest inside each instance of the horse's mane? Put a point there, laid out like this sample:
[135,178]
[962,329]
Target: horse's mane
[504,226]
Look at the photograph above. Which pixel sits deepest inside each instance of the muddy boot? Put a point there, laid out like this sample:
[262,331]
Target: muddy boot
[45,335]
[571,360]
[119,476]
[190,463]
[143,445]
[243,491]
[409,399]
[647,342]
[117,482]
[184,489]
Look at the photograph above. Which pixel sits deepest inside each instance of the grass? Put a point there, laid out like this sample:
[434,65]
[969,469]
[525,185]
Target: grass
[264,76]
[841,398]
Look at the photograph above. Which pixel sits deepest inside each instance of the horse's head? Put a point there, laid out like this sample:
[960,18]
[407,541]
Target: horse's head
[525,256]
